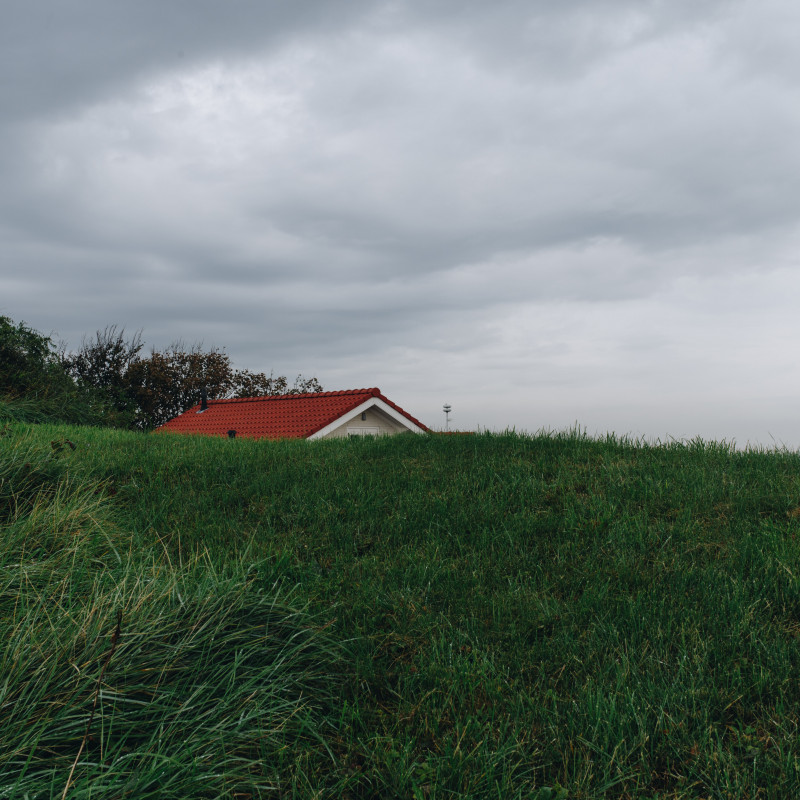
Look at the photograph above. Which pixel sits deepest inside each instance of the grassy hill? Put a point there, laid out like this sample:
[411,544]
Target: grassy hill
[431,617]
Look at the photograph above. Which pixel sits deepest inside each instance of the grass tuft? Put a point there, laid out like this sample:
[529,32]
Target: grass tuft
[125,673]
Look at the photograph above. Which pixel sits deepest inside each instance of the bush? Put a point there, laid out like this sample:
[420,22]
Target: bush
[34,386]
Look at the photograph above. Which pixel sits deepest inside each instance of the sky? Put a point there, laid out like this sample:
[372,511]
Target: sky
[547,215]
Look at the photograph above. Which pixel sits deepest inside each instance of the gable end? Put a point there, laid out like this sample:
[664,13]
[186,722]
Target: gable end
[354,414]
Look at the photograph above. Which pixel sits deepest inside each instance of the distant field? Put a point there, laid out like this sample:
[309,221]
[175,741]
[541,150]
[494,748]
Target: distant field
[486,616]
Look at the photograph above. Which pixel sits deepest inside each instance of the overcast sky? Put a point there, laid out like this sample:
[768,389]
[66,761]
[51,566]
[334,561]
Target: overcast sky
[543,213]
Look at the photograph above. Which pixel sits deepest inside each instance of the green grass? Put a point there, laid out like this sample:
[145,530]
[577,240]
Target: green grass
[498,616]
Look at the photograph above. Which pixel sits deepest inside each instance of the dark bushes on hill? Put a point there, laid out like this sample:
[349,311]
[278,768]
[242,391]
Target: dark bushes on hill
[107,381]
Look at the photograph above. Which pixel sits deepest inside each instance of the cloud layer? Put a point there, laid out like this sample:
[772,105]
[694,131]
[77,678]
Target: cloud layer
[540,213]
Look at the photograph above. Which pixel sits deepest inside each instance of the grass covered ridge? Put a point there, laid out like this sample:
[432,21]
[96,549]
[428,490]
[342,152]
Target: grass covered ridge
[420,617]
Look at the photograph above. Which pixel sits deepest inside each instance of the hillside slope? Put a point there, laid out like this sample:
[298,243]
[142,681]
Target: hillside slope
[476,616]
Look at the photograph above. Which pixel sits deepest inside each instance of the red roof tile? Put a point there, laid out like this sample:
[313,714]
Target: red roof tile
[291,416]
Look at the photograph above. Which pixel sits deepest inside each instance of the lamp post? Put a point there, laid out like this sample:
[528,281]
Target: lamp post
[446,408]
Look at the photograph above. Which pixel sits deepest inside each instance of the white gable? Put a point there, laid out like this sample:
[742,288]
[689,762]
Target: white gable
[387,419]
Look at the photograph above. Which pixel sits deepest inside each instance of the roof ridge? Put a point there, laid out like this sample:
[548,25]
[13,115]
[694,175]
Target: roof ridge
[373,392]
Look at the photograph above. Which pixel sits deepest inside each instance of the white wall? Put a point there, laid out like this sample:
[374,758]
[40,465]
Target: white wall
[375,419]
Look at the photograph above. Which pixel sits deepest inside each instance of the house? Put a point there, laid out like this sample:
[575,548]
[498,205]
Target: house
[320,415]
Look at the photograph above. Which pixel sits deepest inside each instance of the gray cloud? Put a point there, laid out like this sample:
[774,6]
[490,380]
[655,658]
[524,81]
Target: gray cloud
[488,201]
[63,56]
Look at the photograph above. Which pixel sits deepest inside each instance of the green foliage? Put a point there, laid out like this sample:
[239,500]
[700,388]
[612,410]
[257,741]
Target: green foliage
[22,411]
[33,383]
[101,367]
[166,384]
[548,617]
[258,384]
[145,392]
[107,381]
[28,362]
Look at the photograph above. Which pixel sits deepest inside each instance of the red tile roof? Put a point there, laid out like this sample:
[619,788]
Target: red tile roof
[291,416]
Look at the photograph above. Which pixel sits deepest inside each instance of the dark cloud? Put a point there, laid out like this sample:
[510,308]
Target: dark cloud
[67,55]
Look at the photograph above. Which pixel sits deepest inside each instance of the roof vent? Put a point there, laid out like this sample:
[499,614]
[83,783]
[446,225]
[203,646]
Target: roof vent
[231,434]
[203,399]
